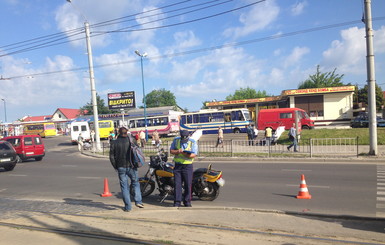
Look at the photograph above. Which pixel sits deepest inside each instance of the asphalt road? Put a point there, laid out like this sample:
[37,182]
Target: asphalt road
[64,175]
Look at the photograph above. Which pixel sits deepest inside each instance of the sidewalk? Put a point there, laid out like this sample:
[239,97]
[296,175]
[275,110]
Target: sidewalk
[198,225]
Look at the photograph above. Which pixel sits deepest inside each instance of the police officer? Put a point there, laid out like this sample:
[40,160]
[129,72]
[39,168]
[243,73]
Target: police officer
[185,150]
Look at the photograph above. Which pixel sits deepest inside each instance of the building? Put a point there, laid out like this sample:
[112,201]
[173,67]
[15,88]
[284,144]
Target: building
[326,106]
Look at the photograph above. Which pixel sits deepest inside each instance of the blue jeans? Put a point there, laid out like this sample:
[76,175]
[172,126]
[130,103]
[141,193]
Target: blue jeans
[294,143]
[124,175]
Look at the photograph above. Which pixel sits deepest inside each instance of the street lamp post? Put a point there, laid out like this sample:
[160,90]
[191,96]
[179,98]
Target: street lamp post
[92,80]
[5,110]
[144,95]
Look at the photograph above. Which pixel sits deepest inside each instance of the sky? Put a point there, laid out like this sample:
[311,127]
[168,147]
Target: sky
[200,50]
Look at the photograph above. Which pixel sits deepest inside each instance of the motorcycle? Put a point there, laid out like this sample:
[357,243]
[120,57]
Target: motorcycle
[206,181]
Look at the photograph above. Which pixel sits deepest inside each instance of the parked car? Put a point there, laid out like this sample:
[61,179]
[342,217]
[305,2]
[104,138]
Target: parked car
[27,146]
[8,156]
[362,121]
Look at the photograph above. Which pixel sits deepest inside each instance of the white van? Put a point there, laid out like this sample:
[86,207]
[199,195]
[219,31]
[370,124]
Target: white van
[80,127]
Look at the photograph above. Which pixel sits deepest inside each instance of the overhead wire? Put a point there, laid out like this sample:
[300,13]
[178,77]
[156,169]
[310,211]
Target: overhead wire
[201,50]
[51,40]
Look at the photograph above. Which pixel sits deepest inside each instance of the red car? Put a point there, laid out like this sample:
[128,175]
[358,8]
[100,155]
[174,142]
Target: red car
[27,146]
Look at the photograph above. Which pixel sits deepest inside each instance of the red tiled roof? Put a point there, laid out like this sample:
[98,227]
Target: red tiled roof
[36,118]
[71,113]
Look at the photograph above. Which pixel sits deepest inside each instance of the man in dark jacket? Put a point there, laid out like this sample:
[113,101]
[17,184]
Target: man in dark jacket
[121,158]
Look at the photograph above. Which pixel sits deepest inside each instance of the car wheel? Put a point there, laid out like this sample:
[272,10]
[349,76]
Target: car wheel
[9,167]
[38,158]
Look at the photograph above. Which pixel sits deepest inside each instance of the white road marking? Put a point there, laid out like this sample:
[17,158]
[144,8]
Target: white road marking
[312,186]
[72,166]
[85,177]
[3,190]
[381,193]
[18,175]
[380,198]
[296,170]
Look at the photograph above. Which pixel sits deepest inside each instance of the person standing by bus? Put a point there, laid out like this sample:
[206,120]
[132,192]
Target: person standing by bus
[268,135]
[142,137]
[155,138]
[185,150]
[293,138]
[220,137]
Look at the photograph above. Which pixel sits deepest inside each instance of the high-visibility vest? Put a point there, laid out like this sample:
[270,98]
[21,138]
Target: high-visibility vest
[180,158]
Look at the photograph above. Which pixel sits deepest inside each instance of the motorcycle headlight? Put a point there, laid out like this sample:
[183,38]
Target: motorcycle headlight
[151,171]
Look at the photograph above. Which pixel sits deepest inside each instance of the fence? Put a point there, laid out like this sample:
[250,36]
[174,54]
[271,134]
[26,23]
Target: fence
[325,147]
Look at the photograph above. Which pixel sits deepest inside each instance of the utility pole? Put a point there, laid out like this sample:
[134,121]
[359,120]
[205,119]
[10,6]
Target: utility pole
[93,90]
[371,79]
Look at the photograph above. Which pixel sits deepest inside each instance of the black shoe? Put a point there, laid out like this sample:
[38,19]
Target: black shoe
[188,205]
[126,210]
[295,151]
[288,148]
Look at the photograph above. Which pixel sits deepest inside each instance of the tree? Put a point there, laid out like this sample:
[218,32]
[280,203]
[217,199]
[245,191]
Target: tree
[362,96]
[204,104]
[159,98]
[246,93]
[322,80]
[102,109]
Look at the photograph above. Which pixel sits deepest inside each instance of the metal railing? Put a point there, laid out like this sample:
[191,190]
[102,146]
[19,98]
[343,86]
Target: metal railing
[325,147]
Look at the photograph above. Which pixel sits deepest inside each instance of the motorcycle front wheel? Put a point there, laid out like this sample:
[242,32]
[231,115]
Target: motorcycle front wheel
[146,186]
[210,193]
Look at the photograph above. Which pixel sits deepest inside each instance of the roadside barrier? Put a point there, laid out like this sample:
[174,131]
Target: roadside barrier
[325,147]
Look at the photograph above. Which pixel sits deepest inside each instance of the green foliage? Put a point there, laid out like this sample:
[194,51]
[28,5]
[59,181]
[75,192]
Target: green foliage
[102,108]
[159,98]
[322,80]
[204,104]
[246,93]
[362,96]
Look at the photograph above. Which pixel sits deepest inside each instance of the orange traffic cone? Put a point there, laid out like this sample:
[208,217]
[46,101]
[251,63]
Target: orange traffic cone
[107,192]
[303,191]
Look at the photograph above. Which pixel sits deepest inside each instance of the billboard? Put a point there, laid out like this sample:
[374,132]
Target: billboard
[121,100]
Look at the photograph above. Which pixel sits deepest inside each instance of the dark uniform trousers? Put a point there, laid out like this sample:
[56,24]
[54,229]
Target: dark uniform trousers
[183,173]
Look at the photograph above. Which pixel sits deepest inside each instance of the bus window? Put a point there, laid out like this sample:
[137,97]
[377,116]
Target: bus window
[189,118]
[237,116]
[196,118]
[203,118]
[75,128]
[84,128]
[217,117]
[132,124]
[227,117]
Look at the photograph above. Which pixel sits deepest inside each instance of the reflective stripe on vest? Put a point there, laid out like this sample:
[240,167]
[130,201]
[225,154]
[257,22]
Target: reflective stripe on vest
[180,158]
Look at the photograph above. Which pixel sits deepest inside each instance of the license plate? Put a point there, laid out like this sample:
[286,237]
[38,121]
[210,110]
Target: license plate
[221,182]
[5,160]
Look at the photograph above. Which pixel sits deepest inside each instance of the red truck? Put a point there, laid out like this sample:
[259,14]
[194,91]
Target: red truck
[274,118]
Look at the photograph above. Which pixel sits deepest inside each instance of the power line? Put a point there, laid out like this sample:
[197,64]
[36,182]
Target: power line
[55,39]
[201,50]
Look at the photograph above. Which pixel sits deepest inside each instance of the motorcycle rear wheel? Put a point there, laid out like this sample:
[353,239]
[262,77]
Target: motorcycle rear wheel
[211,194]
[146,187]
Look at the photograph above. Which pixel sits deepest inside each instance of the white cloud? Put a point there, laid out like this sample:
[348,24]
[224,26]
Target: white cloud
[296,56]
[41,90]
[183,41]
[258,18]
[347,54]
[298,8]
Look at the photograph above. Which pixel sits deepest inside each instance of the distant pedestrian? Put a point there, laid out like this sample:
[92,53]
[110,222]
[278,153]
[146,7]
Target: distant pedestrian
[80,142]
[142,137]
[220,137]
[293,138]
[268,135]
[156,138]
[250,134]
[255,134]
[121,159]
